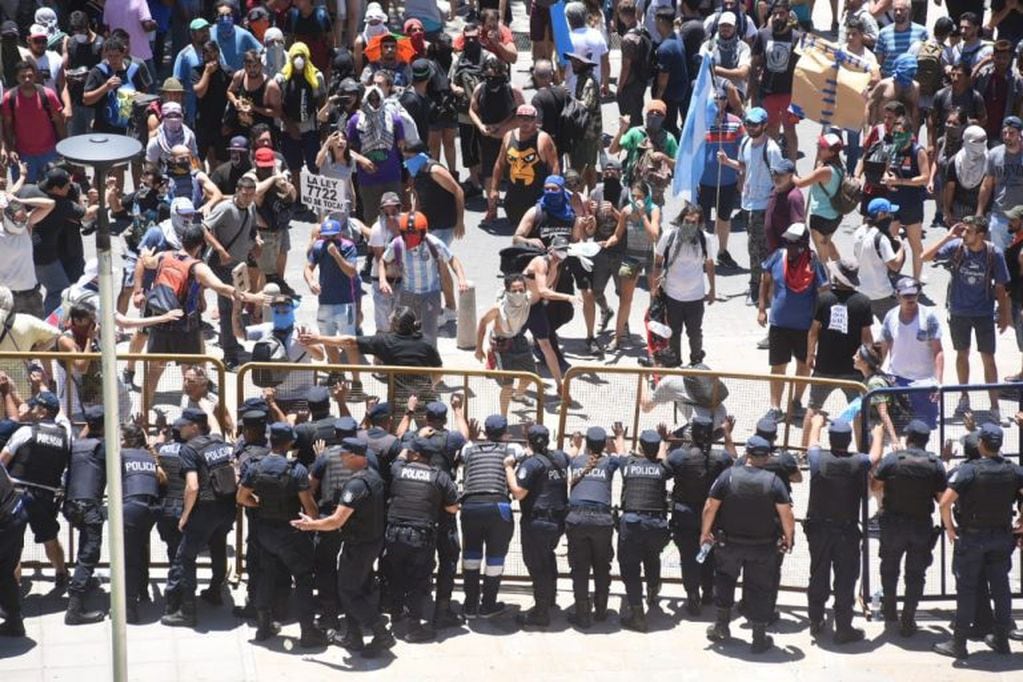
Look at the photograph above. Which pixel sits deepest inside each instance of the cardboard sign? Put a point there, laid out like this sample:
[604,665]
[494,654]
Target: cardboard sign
[323,194]
[829,85]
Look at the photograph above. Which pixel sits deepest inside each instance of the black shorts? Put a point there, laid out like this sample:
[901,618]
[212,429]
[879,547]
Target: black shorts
[539,23]
[786,344]
[174,341]
[910,215]
[819,393]
[581,278]
[824,226]
[960,326]
[42,515]
[722,197]
[605,266]
[537,323]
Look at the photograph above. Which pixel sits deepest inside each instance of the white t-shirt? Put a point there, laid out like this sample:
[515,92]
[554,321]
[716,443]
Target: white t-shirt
[684,280]
[26,332]
[297,383]
[874,282]
[591,44]
[745,58]
[51,65]
[379,236]
[911,356]
[24,434]
[17,271]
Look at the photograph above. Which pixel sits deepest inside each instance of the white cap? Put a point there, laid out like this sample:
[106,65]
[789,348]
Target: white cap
[795,232]
[727,18]
[375,11]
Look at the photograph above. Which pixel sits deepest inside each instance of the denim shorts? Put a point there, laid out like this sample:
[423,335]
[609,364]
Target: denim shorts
[336,318]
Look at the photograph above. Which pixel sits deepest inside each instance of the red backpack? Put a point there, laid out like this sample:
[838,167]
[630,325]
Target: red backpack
[176,287]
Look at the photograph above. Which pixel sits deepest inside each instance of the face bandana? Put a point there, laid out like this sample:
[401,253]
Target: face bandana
[173,124]
[225,24]
[412,239]
[905,70]
[900,140]
[283,320]
[416,163]
[653,123]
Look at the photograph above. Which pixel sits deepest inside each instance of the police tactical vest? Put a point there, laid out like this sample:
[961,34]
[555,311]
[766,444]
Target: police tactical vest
[367,523]
[321,429]
[837,488]
[484,470]
[694,476]
[216,472]
[415,495]
[909,490]
[277,492]
[9,497]
[776,464]
[379,441]
[86,478]
[170,461]
[643,486]
[447,458]
[139,471]
[548,495]
[335,475]
[747,514]
[593,489]
[44,457]
[250,455]
[987,503]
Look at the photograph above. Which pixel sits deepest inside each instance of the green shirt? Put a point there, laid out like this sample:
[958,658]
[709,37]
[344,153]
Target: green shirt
[634,137]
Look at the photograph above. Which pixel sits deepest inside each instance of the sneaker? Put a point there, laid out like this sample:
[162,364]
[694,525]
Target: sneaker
[994,415]
[750,300]
[764,343]
[725,260]
[962,407]
[487,612]
[614,346]
[593,347]
[775,414]
[355,391]
[798,411]
[128,376]
[605,318]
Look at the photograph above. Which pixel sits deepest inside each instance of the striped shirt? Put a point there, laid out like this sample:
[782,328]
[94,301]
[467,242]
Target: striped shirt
[420,273]
[722,136]
[892,43]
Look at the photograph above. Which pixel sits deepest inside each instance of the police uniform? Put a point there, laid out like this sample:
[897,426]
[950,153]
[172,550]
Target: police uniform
[486,518]
[643,527]
[542,475]
[83,503]
[277,482]
[912,478]
[695,469]
[247,455]
[211,519]
[419,494]
[987,488]
[590,527]
[838,482]
[322,428]
[13,518]
[449,445]
[41,452]
[140,493]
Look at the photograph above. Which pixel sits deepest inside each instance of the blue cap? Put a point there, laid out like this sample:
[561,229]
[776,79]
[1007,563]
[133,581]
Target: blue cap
[755,445]
[330,228]
[379,411]
[649,437]
[783,166]
[840,426]
[356,446]
[756,115]
[596,434]
[346,425]
[991,435]
[495,423]
[767,428]
[195,415]
[282,432]
[45,399]
[254,417]
[880,205]
[917,427]
[179,424]
[1013,122]
[93,414]
[436,410]
[424,446]
[318,395]
[258,404]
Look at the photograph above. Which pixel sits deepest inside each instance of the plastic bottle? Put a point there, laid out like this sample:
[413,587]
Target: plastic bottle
[704,551]
[875,606]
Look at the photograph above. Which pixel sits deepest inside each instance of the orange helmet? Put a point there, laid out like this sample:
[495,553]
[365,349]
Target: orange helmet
[413,221]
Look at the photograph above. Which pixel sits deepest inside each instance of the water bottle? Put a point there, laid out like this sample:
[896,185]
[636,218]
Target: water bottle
[704,551]
[875,606]
[851,411]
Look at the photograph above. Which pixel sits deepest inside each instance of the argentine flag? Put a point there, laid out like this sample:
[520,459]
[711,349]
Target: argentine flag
[691,145]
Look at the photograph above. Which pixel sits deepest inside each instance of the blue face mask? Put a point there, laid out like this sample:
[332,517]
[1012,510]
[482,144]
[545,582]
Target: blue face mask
[225,22]
[283,319]
[416,163]
[554,199]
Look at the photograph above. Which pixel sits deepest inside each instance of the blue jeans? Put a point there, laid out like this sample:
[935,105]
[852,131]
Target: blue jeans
[301,150]
[36,164]
[81,119]
[852,150]
[53,278]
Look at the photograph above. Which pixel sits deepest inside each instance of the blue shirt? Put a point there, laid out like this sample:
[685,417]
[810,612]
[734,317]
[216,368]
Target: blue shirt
[892,43]
[234,46]
[789,309]
[813,458]
[671,58]
[722,136]
[336,288]
[187,60]
[274,465]
[972,291]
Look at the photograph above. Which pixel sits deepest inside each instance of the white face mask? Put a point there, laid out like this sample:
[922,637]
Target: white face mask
[299,63]
[173,123]
[517,298]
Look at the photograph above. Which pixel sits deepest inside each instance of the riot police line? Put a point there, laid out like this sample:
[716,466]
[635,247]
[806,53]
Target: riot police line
[383,510]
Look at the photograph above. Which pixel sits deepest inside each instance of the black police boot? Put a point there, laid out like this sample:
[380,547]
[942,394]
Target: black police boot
[212,596]
[694,605]
[600,607]
[536,617]
[444,617]
[847,634]
[889,610]
[131,614]
[582,616]
[172,602]
[719,632]
[382,640]
[955,647]
[421,631]
[77,615]
[636,619]
[247,612]
[998,641]
[184,616]
[1016,635]
[12,627]
[353,638]
[761,640]
[907,622]
[653,592]
[265,626]
[312,636]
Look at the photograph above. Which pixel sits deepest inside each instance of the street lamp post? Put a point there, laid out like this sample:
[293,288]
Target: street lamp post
[103,152]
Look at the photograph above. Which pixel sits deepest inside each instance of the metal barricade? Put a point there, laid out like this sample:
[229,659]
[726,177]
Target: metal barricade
[946,440]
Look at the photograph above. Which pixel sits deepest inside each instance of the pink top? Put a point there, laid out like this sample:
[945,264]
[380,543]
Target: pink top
[129,15]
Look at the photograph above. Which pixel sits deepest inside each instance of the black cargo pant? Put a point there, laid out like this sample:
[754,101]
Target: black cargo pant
[913,538]
[983,555]
[448,550]
[12,541]
[358,596]
[685,530]
[328,547]
[757,563]
[540,535]
[281,546]
[589,549]
[87,518]
[641,539]
[834,548]
[139,517]
[407,564]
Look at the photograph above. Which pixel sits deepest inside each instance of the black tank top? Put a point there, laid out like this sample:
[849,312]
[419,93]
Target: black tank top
[257,97]
[496,107]
[437,203]
[526,170]
[546,227]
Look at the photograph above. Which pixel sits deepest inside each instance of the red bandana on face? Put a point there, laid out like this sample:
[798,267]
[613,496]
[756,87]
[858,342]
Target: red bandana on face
[798,273]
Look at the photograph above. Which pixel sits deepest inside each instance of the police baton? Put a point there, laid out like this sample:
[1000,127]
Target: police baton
[30,484]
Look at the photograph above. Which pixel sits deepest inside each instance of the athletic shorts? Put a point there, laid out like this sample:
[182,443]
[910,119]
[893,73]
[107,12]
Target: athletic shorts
[824,226]
[539,23]
[723,198]
[777,107]
[786,344]
[960,327]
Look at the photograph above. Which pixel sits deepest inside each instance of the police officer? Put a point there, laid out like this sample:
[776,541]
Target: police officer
[207,515]
[695,467]
[250,449]
[83,508]
[747,510]
[378,437]
[838,481]
[643,528]
[487,524]
[538,483]
[277,488]
[590,526]
[419,493]
[140,491]
[36,457]
[913,479]
[361,516]
[319,427]
[13,519]
[327,477]
[986,489]
[172,498]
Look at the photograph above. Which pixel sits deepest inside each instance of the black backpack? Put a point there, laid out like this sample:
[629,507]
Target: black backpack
[575,121]
[515,259]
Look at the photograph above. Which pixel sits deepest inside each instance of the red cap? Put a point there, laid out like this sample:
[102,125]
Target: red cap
[265,158]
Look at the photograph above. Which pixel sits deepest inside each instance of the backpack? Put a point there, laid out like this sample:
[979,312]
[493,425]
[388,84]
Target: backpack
[747,143]
[467,76]
[41,92]
[515,259]
[929,73]
[876,160]
[573,124]
[900,409]
[174,287]
[118,106]
[705,391]
[270,349]
[141,107]
[848,196]
[643,65]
